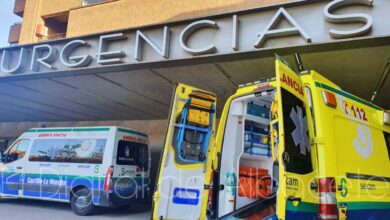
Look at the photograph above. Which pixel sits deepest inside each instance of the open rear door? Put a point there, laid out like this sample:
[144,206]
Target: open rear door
[291,128]
[182,188]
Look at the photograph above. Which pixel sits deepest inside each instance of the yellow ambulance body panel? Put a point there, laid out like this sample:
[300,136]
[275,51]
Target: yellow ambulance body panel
[294,147]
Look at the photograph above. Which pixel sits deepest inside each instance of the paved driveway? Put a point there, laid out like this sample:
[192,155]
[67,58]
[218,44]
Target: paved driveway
[16,209]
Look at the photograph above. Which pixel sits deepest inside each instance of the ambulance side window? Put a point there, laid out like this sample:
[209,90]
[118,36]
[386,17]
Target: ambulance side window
[133,154]
[17,151]
[87,150]
[387,139]
[22,148]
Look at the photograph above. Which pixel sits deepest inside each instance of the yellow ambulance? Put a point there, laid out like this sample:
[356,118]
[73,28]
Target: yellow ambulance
[293,147]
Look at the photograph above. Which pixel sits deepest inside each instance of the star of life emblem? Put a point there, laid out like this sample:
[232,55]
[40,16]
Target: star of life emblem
[300,133]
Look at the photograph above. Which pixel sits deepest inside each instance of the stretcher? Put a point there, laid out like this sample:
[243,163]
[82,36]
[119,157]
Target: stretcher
[195,127]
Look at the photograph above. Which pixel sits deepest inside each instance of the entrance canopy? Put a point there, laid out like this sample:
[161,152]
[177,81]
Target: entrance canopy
[129,74]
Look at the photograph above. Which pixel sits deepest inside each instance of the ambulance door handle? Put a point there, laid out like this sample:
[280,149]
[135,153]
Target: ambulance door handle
[221,187]
[314,186]
[19,168]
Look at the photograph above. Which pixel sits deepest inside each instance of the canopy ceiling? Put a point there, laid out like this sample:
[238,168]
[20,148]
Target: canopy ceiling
[146,93]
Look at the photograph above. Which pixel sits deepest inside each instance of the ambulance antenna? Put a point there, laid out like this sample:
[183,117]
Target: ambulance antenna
[381,81]
[299,62]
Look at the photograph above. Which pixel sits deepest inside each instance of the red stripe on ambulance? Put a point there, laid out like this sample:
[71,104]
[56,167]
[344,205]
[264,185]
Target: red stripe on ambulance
[135,139]
[328,204]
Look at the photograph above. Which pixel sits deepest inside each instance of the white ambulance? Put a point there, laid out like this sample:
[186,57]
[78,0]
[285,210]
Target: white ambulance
[85,166]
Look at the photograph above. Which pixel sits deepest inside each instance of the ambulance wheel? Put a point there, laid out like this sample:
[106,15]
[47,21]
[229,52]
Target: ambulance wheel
[81,202]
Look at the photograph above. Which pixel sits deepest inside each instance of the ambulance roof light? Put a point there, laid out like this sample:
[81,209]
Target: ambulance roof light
[329,99]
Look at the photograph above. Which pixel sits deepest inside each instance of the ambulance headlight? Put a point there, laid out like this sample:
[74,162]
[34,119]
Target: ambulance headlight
[386,118]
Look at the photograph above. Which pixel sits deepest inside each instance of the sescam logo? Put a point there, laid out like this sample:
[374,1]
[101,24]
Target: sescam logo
[291,83]
[363,143]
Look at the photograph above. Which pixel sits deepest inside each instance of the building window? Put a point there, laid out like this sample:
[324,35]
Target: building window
[90,2]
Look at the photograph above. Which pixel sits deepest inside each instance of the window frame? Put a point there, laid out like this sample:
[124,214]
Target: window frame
[387,142]
[17,143]
[66,141]
[295,168]
[311,106]
[136,161]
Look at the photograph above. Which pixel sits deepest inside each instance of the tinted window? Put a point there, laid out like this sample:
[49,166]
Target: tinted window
[133,153]
[297,155]
[68,150]
[387,137]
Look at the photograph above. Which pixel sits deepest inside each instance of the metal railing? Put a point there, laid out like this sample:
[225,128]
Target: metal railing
[52,37]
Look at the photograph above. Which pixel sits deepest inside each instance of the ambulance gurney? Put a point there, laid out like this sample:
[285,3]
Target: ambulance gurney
[254,182]
[195,127]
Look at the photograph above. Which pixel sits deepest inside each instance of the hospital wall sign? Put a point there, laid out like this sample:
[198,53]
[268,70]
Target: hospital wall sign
[267,28]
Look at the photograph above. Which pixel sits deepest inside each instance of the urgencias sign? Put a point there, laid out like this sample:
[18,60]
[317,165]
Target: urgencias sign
[263,29]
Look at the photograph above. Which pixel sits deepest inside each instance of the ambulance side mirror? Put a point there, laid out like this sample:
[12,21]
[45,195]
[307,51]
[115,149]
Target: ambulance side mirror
[2,157]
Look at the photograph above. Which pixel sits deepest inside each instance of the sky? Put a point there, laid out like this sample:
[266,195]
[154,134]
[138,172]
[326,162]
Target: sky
[7,18]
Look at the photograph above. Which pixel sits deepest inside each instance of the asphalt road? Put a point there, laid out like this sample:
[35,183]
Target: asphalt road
[16,209]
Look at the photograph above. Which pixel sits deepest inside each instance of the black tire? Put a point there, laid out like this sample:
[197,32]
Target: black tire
[81,202]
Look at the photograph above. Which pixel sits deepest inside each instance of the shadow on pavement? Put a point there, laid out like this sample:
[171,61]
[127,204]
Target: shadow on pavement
[58,206]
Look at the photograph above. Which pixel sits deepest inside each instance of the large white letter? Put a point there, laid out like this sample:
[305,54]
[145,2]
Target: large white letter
[367,19]
[191,28]
[74,61]
[235,27]
[164,51]
[106,57]
[6,60]
[46,61]
[294,30]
